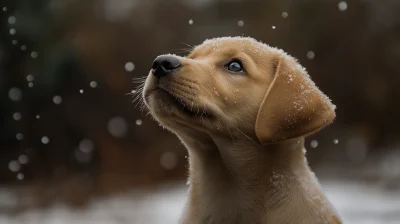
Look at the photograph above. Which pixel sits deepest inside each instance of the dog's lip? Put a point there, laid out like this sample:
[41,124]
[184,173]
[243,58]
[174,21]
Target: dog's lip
[193,112]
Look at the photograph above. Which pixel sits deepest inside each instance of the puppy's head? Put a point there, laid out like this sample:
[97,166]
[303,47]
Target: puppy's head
[236,85]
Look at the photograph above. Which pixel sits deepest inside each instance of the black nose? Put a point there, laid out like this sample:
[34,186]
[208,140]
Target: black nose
[165,64]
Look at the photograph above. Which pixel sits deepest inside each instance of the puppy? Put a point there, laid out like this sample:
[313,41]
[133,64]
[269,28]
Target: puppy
[242,109]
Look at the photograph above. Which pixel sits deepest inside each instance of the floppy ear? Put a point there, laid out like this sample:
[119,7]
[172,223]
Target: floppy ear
[293,106]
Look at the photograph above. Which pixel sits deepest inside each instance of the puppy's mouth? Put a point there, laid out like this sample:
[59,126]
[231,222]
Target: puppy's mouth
[180,103]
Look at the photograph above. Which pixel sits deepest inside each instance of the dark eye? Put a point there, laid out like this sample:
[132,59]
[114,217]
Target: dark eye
[235,66]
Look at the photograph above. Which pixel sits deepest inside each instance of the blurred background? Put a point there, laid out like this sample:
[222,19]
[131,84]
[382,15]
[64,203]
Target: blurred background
[74,148]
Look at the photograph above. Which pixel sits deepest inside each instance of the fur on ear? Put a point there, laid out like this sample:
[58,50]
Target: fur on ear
[292,106]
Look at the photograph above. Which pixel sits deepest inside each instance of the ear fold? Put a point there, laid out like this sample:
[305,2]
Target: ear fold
[293,106]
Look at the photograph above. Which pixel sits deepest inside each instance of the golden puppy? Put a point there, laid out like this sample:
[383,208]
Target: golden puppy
[242,109]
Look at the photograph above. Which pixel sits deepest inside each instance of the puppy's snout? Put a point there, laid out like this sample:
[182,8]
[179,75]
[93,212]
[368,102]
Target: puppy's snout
[164,65]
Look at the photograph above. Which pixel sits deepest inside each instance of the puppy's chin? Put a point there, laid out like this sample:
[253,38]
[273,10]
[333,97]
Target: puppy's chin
[172,112]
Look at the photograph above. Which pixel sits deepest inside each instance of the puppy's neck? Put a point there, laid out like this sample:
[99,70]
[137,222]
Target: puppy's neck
[239,181]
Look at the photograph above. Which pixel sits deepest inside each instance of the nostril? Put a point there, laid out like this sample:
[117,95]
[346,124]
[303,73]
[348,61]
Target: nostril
[165,64]
[155,64]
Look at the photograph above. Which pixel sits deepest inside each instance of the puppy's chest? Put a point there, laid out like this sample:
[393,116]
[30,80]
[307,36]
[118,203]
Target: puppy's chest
[282,218]
[288,218]
[302,212]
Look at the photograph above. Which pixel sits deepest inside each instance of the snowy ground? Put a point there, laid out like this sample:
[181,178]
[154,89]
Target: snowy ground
[357,203]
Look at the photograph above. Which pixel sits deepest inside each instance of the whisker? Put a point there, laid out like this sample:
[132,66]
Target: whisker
[248,137]
[182,50]
[135,91]
[230,133]
[138,81]
[187,45]
[137,103]
[137,94]
[141,77]
[137,97]
[143,107]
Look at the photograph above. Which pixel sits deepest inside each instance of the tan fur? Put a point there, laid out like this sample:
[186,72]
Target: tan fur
[245,134]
